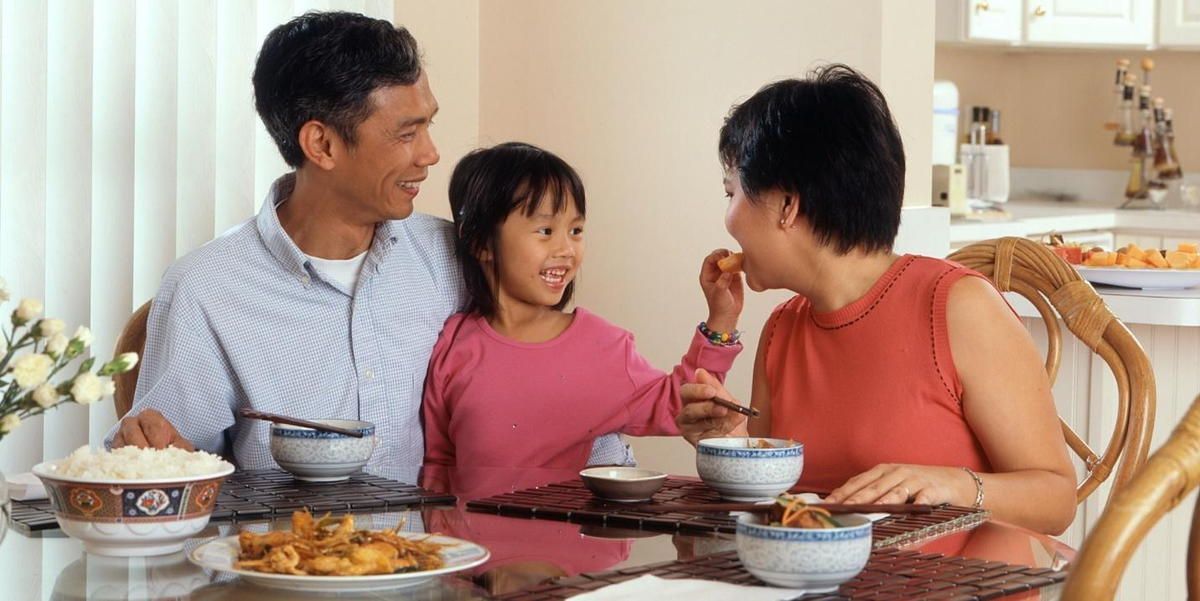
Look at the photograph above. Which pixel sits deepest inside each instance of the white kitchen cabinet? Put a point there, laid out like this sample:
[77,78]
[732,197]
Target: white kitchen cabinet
[986,21]
[1179,23]
[1089,22]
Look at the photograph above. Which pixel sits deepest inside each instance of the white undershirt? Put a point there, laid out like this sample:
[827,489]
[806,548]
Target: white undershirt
[342,271]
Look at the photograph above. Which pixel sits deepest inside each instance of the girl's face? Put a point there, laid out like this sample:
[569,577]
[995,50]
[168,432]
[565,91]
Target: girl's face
[757,229]
[541,254]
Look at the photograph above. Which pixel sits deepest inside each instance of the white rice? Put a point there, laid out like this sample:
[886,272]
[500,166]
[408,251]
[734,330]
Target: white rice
[132,463]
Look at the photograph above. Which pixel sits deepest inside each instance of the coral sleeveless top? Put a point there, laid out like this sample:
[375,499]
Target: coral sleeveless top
[872,382]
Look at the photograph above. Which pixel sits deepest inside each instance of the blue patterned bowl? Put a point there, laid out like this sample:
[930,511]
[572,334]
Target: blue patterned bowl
[741,471]
[317,456]
[817,560]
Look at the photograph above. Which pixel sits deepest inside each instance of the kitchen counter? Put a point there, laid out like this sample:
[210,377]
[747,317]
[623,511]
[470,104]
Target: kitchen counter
[1033,218]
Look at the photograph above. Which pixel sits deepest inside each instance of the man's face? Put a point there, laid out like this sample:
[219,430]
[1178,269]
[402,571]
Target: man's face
[383,170]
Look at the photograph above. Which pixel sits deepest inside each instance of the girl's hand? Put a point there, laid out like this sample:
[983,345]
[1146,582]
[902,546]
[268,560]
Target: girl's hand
[902,483]
[701,418]
[723,291]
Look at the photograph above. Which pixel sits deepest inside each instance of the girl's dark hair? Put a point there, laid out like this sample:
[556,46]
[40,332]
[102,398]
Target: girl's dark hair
[324,66]
[829,139]
[487,186]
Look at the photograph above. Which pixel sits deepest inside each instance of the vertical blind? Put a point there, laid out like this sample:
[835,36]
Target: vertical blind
[127,138]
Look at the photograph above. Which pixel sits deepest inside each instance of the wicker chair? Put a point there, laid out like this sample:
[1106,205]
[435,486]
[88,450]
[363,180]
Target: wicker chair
[1170,474]
[1036,273]
[132,340]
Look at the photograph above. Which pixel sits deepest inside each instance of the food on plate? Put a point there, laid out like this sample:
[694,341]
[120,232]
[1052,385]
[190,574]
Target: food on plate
[731,263]
[332,547]
[1070,252]
[793,512]
[763,443]
[1132,256]
[132,463]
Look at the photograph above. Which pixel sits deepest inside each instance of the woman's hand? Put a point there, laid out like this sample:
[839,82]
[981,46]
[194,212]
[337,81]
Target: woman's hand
[723,291]
[701,418]
[902,483]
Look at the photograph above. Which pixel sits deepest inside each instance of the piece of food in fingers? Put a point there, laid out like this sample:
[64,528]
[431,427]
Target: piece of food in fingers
[731,263]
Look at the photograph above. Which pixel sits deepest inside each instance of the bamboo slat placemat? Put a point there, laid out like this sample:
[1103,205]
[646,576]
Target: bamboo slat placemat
[890,574]
[571,501]
[266,494]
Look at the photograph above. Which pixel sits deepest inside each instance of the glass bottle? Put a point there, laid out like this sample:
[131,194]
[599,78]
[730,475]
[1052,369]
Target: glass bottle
[1165,162]
[993,133]
[1144,142]
[1119,87]
[1125,134]
[974,160]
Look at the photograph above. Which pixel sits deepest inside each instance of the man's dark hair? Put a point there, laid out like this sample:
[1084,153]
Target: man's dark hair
[486,187]
[323,66]
[830,140]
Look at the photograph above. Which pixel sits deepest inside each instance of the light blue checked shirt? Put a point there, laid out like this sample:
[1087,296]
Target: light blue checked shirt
[247,321]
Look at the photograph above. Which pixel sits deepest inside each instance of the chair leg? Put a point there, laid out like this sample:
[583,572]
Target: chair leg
[1193,555]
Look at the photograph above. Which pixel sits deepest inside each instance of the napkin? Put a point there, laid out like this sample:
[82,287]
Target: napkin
[25,487]
[659,589]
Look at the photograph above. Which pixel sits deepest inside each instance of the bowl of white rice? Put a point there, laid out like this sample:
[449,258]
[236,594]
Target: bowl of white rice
[132,501]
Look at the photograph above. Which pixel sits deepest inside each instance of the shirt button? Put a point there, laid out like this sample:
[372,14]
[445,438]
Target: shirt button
[369,374]
[304,280]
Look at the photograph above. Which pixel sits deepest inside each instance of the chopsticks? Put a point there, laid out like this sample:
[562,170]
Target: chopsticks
[295,421]
[747,411]
[907,508]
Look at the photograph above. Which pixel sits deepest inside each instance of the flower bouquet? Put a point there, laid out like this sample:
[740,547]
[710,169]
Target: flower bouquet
[26,386]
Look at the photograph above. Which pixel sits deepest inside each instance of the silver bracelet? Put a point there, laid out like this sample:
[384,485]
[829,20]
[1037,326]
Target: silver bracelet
[978,486]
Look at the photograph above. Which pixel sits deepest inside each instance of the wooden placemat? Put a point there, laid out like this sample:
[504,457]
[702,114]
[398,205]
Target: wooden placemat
[266,494]
[571,501]
[890,574]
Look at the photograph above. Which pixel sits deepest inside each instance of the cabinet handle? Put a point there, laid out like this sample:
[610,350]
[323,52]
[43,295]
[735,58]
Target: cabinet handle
[1039,11]
[981,7]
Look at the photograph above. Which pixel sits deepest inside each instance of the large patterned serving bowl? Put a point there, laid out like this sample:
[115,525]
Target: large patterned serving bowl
[131,517]
[317,456]
[817,560]
[749,469]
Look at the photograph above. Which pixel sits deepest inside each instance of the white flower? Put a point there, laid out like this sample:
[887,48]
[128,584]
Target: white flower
[56,345]
[84,335]
[87,388]
[50,327]
[29,309]
[9,423]
[31,370]
[45,396]
[127,361]
[3,290]
[110,387]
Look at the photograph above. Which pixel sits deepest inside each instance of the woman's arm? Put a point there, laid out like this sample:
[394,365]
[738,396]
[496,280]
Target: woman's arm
[1008,405]
[760,393]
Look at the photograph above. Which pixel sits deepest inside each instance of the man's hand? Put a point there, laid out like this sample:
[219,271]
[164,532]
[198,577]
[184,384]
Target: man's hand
[701,418]
[149,429]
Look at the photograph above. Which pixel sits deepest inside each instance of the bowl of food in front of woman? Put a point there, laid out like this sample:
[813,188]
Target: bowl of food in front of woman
[749,468]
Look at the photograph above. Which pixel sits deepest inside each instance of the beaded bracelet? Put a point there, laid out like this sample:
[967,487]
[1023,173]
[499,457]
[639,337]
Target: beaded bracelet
[719,338]
[978,487]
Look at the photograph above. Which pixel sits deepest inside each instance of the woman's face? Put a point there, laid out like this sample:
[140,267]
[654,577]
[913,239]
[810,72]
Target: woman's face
[757,229]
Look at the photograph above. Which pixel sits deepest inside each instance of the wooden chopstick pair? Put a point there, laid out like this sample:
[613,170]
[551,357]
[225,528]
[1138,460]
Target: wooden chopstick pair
[295,421]
[906,508]
[747,411]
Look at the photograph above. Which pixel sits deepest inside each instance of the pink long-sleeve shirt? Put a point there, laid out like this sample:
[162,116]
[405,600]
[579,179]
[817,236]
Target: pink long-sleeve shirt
[495,402]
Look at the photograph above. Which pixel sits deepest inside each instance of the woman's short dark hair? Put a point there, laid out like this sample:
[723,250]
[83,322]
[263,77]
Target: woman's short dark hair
[323,66]
[830,140]
[486,187]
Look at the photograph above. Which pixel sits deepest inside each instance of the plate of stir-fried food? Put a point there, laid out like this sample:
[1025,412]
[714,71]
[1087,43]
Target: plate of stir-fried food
[331,554]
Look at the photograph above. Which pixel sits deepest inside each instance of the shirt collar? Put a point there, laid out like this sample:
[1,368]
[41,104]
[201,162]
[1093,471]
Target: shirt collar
[285,250]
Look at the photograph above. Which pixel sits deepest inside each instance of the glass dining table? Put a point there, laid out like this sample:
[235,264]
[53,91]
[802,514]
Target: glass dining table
[524,553]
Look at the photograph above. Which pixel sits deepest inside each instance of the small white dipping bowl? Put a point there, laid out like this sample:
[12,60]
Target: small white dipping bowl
[316,456]
[623,484]
[131,517]
[740,471]
[817,560]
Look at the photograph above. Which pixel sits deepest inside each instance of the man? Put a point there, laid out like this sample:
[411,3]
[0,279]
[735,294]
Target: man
[328,303]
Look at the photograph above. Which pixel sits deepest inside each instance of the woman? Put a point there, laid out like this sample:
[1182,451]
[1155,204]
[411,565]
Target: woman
[907,378]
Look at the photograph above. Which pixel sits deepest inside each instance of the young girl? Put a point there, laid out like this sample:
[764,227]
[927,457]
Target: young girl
[515,381]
